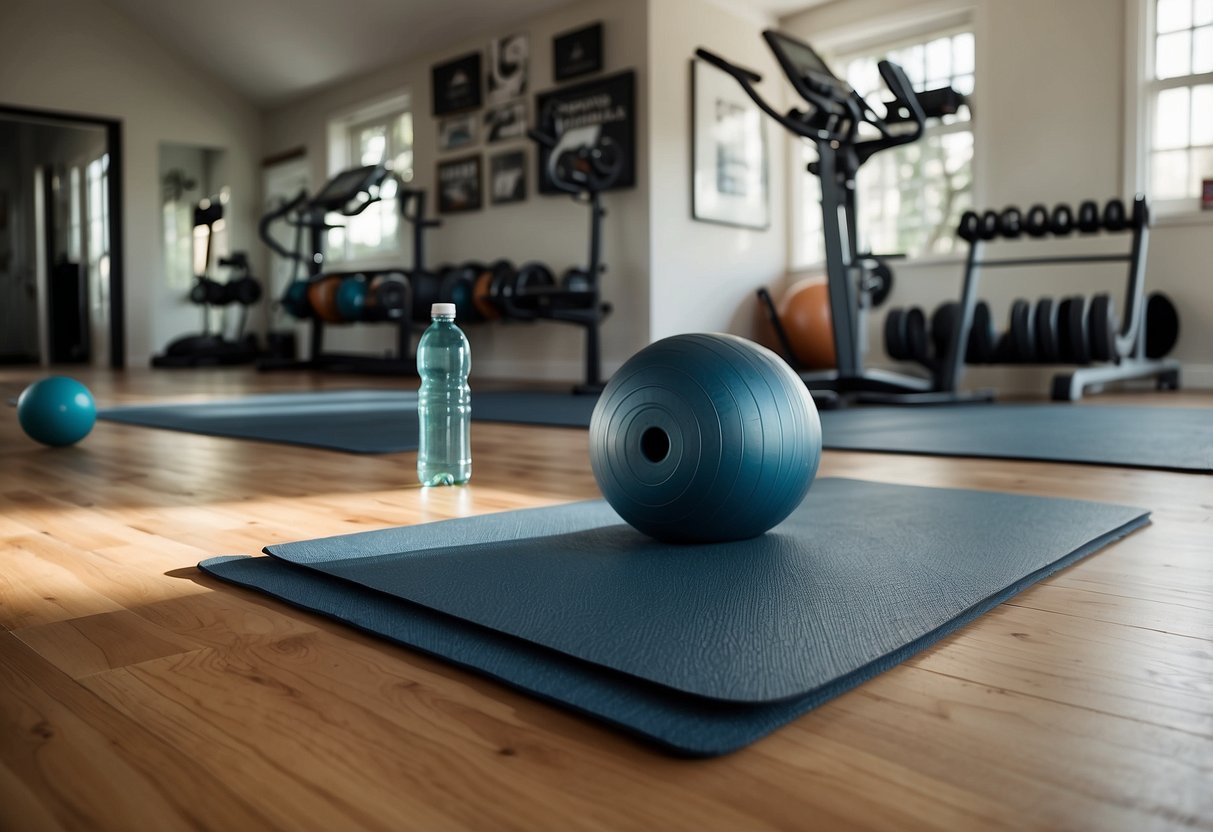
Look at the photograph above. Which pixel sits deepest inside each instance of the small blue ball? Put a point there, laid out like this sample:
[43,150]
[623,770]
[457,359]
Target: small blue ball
[705,438]
[56,411]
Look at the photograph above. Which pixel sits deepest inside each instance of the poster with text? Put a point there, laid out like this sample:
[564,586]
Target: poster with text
[605,103]
[459,185]
[456,85]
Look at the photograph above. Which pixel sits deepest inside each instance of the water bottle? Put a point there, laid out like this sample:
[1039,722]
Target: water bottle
[444,404]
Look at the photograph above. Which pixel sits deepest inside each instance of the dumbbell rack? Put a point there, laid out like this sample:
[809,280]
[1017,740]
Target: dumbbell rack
[1123,344]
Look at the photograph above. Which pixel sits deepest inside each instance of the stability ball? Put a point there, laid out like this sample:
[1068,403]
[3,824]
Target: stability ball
[805,315]
[56,411]
[704,438]
[351,297]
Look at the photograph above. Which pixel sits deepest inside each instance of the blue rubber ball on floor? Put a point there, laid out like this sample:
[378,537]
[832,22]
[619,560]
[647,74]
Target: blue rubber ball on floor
[56,411]
[705,438]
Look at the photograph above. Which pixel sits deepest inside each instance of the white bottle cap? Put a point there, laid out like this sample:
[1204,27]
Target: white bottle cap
[447,309]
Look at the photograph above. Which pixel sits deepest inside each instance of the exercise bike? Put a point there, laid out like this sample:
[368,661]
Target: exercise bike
[832,122]
[241,289]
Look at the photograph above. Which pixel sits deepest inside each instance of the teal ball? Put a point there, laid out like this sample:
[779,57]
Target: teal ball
[56,411]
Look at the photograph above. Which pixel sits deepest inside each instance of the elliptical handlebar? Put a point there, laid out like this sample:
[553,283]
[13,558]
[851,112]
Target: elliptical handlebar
[263,227]
[747,78]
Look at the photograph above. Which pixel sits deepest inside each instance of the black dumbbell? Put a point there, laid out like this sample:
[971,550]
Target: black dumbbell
[987,226]
[1048,350]
[1061,221]
[967,228]
[1088,217]
[575,280]
[1102,328]
[1010,223]
[244,290]
[1162,325]
[1023,332]
[1114,218]
[1036,221]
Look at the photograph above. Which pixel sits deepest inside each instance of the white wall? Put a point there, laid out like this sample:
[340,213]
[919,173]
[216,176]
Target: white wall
[1049,114]
[703,275]
[84,57]
[551,229]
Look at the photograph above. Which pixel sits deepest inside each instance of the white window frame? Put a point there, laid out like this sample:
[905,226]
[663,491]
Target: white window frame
[899,27]
[341,129]
[1140,88]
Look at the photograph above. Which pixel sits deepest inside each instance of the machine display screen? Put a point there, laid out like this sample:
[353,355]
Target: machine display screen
[345,186]
[800,55]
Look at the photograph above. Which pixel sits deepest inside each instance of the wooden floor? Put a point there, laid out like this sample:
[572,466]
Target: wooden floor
[136,694]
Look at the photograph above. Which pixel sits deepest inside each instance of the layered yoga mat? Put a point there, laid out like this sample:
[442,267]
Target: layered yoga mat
[700,648]
[356,421]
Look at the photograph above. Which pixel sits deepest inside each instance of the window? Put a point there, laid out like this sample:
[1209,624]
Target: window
[96,177]
[909,199]
[1177,102]
[381,133]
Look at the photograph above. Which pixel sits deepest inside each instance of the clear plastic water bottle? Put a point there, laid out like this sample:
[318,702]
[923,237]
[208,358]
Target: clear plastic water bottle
[444,405]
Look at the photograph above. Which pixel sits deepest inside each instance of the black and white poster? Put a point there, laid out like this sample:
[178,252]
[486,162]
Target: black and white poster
[577,53]
[459,186]
[507,177]
[605,107]
[457,85]
[729,152]
[505,122]
[507,73]
[457,131]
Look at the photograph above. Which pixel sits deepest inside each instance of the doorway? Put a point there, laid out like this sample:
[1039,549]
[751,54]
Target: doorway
[61,275]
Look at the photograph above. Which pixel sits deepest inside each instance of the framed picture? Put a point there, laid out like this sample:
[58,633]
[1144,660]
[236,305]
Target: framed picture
[505,122]
[507,177]
[604,106]
[456,85]
[457,131]
[577,53]
[459,186]
[508,58]
[728,153]
[1206,194]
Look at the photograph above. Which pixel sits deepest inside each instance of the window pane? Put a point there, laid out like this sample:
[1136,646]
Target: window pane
[1202,12]
[962,52]
[939,60]
[372,144]
[1171,118]
[1169,174]
[1172,55]
[1202,50]
[963,85]
[1202,114]
[1173,15]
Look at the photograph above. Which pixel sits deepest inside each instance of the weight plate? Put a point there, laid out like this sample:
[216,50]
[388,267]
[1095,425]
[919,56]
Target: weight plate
[575,280]
[1088,217]
[426,289]
[944,321]
[1036,222]
[1010,223]
[1061,221]
[1162,325]
[1114,218]
[982,336]
[1023,332]
[1048,350]
[987,229]
[1079,342]
[482,296]
[1101,328]
[882,283]
[895,334]
[918,344]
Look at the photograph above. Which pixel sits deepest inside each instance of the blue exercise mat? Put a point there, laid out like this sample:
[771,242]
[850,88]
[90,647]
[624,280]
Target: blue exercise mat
[701,648]
[1161,438]
[356,421]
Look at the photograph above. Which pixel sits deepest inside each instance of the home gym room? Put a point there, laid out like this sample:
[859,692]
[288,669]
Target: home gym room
[648,414]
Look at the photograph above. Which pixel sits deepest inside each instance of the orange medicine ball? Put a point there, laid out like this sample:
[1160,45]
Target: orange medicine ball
[805,315]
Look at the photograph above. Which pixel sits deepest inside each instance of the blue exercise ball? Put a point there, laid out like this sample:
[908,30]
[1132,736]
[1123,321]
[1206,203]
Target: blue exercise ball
[351,298]
[705,438]
[56,411]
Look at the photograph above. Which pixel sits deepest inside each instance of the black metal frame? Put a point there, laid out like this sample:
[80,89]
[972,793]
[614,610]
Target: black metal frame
[113,146]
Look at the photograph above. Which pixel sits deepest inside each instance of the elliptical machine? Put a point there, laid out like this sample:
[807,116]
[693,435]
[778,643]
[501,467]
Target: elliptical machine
[582,162]
[832,122]
[207,348]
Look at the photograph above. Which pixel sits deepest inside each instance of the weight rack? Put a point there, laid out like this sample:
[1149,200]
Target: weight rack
[1127,344]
